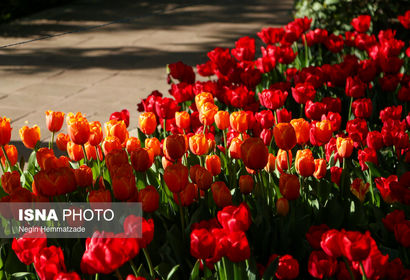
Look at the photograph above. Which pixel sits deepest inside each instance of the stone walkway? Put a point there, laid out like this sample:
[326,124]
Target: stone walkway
[102,70]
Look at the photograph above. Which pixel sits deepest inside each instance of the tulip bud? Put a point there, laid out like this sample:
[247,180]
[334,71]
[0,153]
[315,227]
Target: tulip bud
[176,177]
[110,144]
[301,127]
[30,136]
[133,144]
[154,145]
[174,146]
[304,163]
[282,160]
[249,149]
[207,113]
[75,152]
[147,122]
[78,128]
[5,131]
[187,195]
[182,120]
[96,134]
[270,166]
[246,184]
[142,159]
[285,136]
[221,194]
[54,120]
[359,188]
[213,164]
[239,121]
[235,148]
[282,206]
[344,146]
[198,144]
[149,198]
[222,120]
[61,141]
[83,176]
[320,168]
[289,186]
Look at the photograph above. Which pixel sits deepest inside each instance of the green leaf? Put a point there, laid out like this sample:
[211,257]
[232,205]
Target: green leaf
[171,273]
[23,275]
[270,271]
[195,271]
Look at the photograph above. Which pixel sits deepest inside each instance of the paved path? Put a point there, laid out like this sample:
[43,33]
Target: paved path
[99,71]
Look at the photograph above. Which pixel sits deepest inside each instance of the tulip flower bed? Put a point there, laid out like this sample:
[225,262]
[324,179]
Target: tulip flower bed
[292,165]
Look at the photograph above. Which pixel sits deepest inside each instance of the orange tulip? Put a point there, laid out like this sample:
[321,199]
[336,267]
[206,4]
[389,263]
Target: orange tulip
[235,148]
[239,121]
[285,136]
[30,136]
[187,195]
[222,120]
[165,162]
[118,129]
[43,155]
[154,145]
[282,206]
[123,182]
[270,166]
[92,153]
[75,152]
[182,119]
[12,154]
[289,186]
[111,143]
[54,120]
[78,128]
[174,146]
[221,194]
[320,168]
[202,98]
[305,163]
[202,177]
[149,198]
[282,160]
[147,122]
[198,144]
[99,196]
[207,113]
[359,188]
[133,143]
[176,177]
[344,146]
[96,134]
[301,127]
[254,153]
[320,132]
[246,184]
[54,182]
[61,141]
[115,159]
[213,164]
[142,159]
[83,176]
[10,181]
[5,131]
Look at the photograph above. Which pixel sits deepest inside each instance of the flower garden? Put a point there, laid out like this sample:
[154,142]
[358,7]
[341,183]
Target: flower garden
[291,165]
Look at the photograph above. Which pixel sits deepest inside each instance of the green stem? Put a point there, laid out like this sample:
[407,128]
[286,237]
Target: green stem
[288,160]
[2,167]
[85,154]
[134,268]
[150,266]
[350,108]
[118,274]
[164,132]
[370,183]
[96,276]
[363,271]
[98,159]
[6,156]
[348,268]
[50,144]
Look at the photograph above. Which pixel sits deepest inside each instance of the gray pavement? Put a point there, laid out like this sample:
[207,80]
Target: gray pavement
[102,70]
